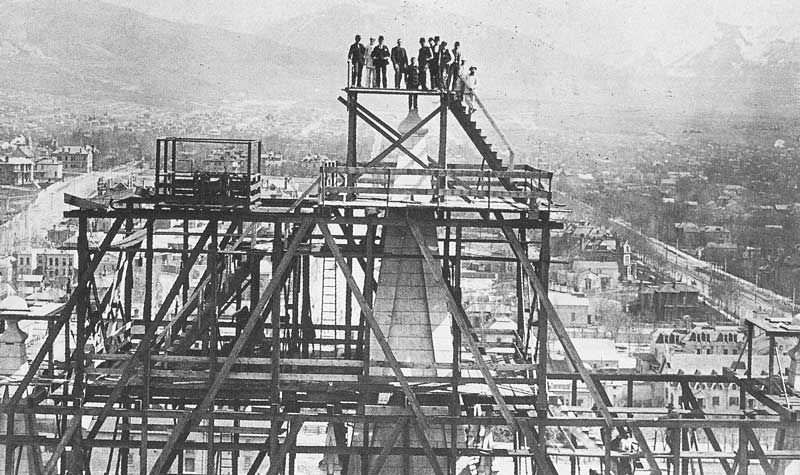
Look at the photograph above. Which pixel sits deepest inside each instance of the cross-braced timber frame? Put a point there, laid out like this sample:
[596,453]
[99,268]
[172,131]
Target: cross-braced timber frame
[223,362]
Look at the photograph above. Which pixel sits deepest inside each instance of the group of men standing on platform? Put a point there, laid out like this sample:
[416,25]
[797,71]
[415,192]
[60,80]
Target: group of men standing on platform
[435,67]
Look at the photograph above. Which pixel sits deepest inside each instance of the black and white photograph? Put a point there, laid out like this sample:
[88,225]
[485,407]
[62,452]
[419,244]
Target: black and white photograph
[399,237]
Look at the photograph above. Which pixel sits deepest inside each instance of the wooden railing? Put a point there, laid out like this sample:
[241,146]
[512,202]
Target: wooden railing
[383,183]
[499,132]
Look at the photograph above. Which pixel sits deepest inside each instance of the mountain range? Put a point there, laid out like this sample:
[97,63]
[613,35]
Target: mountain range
[96,49]
[100,50]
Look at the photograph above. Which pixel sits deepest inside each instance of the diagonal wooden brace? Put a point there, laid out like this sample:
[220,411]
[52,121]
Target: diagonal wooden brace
[185,424]
[360,110]
[460,316]
[555,322]
[399,141]
[366,309]
[130,366]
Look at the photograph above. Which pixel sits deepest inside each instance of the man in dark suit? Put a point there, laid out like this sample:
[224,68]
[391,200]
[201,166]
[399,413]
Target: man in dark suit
[444,64]
[356,56]
[380,58]
[455,66]
[400,62]
[433,62]
[422,59]
[412,83]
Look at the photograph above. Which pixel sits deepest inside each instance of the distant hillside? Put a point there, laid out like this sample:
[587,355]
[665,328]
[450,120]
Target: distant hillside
[734,72]
[510,62]
[100,50]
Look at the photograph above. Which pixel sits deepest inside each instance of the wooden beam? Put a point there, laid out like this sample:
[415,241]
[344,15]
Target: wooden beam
[130,366]
[403,138]
[51,465]
[360,110]
[389,444]
[635,431]
[466,337]
[291,438]
[769,469]
[420,418]
[83,203]
[556,323]
[185,424]
[65,314]
[689,397]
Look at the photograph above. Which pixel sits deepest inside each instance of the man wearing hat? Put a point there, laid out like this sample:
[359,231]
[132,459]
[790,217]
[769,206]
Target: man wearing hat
[423,58]
[380,58]
[470,84]
[356,56]
[433,61]
[400,62]
[444,64]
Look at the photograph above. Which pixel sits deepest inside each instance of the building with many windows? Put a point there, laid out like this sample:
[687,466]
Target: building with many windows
[75,158]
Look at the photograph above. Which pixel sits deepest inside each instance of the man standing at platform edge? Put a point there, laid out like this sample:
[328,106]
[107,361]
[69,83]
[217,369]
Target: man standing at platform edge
[356,56]
[368,63]
[400,62]
[380,58]
[422,60]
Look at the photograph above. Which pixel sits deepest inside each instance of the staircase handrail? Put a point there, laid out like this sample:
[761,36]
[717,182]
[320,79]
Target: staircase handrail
[497,129]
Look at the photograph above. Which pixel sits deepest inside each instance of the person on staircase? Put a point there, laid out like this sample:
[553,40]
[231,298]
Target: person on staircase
[380,58]
[470,85]
[412,83]
[400,63]
[460,81]
[356,56]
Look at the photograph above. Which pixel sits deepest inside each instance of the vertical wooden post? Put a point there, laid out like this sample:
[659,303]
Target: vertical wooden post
[369,272]
[305,314]
[275,314]
[442,162]
[573,460]
[124,452]
[146,314]
[771,363]
[294,345]
[541,369]
[352,130]
[742,456]
[348,297]
[184,258]
[235,439]
[455,403]
[406,458]
[213,332]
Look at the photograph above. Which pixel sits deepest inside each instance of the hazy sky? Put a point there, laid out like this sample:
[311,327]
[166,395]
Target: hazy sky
[604,29]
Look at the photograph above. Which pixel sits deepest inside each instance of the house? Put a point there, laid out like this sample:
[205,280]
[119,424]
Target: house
[713,397]
[75,158]
[697,338]
[717,234]
[689,235]
[16,170]
[720,253]
[28,284]
[669,301]
[572,309]
[48,170]
[598,354]
[55,267]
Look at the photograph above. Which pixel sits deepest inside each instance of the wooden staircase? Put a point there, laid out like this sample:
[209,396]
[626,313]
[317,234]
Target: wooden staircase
[479,140]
